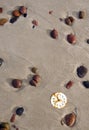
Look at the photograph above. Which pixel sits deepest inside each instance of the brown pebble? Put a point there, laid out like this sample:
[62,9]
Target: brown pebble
[71,38]
[69,84]
[3,21]
[17,83]
[16,13]
[1,9]
[34,69]
[51,11]
[70,119]
[13,118]
[82,14]
[33,83]
[69,20]
[36,78]
[54,34]
[35,22]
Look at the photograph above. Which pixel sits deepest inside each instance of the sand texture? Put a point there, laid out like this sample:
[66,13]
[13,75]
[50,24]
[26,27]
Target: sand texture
[23,47]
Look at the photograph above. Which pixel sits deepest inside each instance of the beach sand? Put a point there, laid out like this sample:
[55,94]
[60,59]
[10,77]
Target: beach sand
[23,47]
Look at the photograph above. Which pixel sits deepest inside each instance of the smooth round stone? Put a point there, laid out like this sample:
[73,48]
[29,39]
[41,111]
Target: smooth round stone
[1,61]
[17,83]
[81,71]
[86,84]
[19,111]
[71,38]
[54,34]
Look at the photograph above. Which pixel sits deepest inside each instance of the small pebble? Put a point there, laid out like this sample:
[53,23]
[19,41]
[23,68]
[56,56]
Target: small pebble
[3,21]
[71,38]
[69,20]
[13,118]
[88,41]
[23,10]
[82,14]
[34,69]
[1,61]
[36,78]
[51,11]
[86,84]
[25,15]
[1,9]
[19,111]
[81,71]
[13,19]
[54,34]
[17,83]
[4,126]
[16,13]
[33,83]
[69,84]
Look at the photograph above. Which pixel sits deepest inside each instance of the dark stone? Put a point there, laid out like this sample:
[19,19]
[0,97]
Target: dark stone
[25,15]
[1,61]
[19,111]
[81,71]
[13,19]
[16,83]
[86,84]
[88,41]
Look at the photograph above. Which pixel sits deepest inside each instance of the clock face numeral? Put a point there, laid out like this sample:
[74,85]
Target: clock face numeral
[58,100]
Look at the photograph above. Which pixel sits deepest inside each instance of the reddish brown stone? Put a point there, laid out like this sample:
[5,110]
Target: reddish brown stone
[71,38]
[37,78]
[54,34]
[1,9]
[69,84]
[17,83]
[70,119]
[33,83]
[13,118]
[69,20]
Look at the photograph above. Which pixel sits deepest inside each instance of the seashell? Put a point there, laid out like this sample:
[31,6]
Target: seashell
[3,21]
[19,111]
[23,10]
[70,119]
[69,20]
[1,61]
[82,14]
[33,83]
[86,84]
[36,78]
[17,83]
[81,71]
[69,84]
[54,34]
[13,118]
[13,19]
[1,9]
[71,38]
[34,69]
[16,13]
[4,126]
